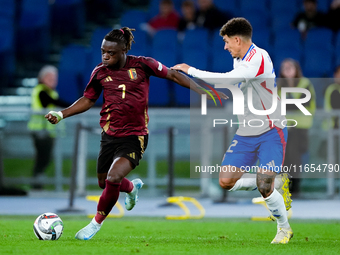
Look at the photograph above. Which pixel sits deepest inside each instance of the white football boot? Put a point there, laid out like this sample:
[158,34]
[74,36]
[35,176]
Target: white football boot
[89,231]
[283,236]
[132,197]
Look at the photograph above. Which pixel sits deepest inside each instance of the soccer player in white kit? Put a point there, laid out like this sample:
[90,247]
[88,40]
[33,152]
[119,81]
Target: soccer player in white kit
[252,142]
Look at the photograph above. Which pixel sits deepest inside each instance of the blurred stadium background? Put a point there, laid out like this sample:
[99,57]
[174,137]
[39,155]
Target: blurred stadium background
[68,34]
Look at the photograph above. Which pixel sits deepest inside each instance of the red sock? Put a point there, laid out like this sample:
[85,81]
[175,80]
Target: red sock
[126,186]
[102,186]
[107,200]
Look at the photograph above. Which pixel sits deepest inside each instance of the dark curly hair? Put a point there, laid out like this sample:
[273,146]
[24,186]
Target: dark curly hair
[121,36]
[237,26]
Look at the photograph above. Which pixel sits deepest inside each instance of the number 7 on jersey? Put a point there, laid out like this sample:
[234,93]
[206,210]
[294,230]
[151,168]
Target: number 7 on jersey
[123,88]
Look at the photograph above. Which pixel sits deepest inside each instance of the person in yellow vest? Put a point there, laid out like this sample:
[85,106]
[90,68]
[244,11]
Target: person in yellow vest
[332,97]
[297,145]
[44,96]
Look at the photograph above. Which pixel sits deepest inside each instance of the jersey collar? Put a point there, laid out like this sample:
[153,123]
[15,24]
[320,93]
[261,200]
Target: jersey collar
[252,46]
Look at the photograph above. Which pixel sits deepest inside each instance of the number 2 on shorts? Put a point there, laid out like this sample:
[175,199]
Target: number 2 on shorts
[233,144]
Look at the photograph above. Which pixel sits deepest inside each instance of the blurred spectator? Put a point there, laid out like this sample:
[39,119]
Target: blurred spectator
[309,18]
[333,15]
[44,96]
[297,145]
[332,97]
[167,18]
[208,16]
[188,18]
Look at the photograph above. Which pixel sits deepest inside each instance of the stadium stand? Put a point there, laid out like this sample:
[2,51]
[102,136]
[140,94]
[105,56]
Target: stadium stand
[195,51]
[102,12]
[73,72]
[153,9]
[262,38]
[7,48]
[33,29]
[142,45]
[195,48]
[318,63]
[288,37]
[318,53]
[324,5]
[319,37]
[8,10]
[68,18]
[227,6]
[286,44]
[159,92]
[182,96]
[95,43]
[284,52]
[288,5]
[259,19]
[281,20]
[139,17]
[337,48]
[165,47]
[221,59]
[251,6]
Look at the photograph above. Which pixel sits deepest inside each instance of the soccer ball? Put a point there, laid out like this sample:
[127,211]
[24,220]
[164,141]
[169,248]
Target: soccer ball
[48,226]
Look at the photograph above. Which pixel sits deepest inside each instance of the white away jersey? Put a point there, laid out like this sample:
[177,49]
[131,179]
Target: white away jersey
[254,71]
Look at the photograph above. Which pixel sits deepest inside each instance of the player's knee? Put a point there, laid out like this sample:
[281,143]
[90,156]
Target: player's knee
[227,183]
[115,177]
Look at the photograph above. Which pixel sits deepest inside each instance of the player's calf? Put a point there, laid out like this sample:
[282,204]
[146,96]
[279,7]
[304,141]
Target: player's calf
[264,183]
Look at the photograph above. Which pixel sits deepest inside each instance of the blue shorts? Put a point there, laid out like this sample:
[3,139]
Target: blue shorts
[269,148]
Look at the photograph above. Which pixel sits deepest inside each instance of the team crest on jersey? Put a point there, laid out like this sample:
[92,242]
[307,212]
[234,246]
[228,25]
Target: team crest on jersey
[132,73]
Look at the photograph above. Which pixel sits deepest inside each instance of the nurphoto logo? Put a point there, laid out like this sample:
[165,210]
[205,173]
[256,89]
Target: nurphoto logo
[239,102]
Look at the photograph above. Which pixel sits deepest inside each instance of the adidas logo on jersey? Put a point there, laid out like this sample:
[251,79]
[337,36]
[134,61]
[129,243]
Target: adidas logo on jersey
[271,164]
[108,78]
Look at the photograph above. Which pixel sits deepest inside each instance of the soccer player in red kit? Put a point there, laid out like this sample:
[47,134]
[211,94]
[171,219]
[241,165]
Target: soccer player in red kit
[124,80]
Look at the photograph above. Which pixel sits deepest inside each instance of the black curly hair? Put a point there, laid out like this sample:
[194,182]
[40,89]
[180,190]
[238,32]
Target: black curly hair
[237,26]
[122,36]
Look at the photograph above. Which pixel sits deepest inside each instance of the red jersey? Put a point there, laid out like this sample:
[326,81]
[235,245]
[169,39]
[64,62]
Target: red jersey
[126,92]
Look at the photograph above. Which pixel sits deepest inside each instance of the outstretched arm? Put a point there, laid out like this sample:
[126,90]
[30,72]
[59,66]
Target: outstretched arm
[81,105]
[186,82]
[235,76]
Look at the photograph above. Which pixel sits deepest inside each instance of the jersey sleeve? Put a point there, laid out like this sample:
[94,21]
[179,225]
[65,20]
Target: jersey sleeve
[93,88]
[154,67]
[233,77]
[247,70]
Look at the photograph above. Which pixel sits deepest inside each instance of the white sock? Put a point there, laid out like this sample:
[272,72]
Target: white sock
[277,207]
[246,182]
[277,181]
[96,223]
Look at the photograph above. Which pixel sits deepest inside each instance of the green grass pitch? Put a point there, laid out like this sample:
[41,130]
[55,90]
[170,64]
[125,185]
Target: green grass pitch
[159,236]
